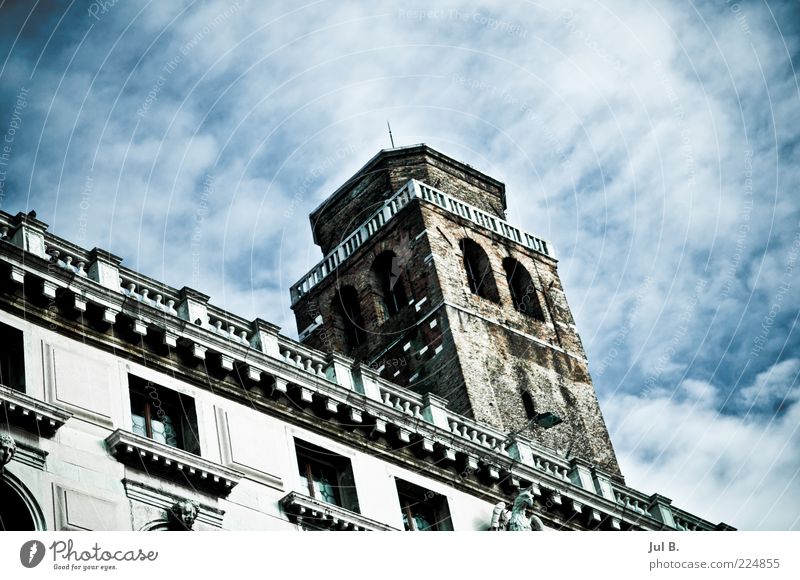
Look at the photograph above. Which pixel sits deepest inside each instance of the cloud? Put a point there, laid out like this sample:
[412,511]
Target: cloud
[654,145]
[774,389]
[740,469]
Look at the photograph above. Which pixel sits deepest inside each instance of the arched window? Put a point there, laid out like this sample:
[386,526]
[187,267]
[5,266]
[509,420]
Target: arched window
[14,514]
[346,305]
[386,270]
[523,292]
[479,271]
[18,509]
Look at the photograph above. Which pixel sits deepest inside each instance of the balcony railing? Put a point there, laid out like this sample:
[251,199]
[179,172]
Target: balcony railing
[413,189]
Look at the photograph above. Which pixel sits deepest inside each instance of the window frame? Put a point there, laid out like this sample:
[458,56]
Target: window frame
[434,505]
[308,456]
[182,412]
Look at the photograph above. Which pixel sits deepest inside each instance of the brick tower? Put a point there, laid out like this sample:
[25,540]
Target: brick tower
[425,282]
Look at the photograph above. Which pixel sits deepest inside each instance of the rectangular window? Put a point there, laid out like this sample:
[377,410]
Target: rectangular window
[326,476]
[423,510]
[163,415]
[12,358]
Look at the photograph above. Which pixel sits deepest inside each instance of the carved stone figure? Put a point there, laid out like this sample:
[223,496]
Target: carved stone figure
[499,518]
[8,447]
[182,515]
[520,519]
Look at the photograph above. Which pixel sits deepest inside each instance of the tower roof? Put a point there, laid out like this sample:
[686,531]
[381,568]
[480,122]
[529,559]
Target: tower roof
[410,154]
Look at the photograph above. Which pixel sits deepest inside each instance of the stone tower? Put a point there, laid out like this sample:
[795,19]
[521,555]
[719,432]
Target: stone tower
[425,282]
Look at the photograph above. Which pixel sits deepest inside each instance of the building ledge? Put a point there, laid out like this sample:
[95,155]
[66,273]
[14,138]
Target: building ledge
[175,464]
[31,414]
[312,513]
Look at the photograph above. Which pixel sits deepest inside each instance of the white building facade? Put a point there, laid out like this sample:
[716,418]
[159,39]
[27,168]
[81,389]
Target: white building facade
[129,405]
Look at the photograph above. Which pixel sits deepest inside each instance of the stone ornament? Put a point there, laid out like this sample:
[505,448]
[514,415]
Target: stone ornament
[8,447]
[521,517]
[182,515]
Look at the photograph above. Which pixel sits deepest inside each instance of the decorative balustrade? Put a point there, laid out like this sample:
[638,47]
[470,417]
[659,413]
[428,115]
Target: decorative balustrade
[481,218]
[627,499]
[689,522]
[303,358]
[402,400]
[685,525]
[135,289]
[230,331]
[354,241]
[63,258]
[229,326]
[411,190]
[551,465]
[482,435]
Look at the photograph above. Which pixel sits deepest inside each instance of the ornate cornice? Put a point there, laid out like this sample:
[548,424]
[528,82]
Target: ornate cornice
[175,464]
[31,414]
[309,512]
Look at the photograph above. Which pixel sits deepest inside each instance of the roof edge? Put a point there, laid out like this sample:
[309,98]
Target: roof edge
[384,153]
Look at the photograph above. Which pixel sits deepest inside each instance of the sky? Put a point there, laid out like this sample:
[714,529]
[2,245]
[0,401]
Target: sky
[654,143]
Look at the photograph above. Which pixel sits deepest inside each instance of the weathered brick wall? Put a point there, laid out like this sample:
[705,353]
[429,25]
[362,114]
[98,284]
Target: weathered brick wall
[478,354]
[354,204]
[416,275]
[504,352]
[336,220]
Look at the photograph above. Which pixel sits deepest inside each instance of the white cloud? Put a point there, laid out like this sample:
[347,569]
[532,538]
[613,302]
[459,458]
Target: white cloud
[639,137]
[744,471]
[776,388]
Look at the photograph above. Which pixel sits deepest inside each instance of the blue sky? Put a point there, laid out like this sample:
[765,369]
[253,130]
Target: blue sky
[655,144]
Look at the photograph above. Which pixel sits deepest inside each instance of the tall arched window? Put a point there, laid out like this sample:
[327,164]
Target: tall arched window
[347,307]
[387,271]
[479,271]
[523,292]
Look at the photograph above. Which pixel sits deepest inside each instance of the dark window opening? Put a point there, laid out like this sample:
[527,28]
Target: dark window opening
[523,292]
[479,271]
[14,514]
[347,307]
[326,476]
[387,271]
[12,358]
[423,510]
[527,402]
[163,415]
